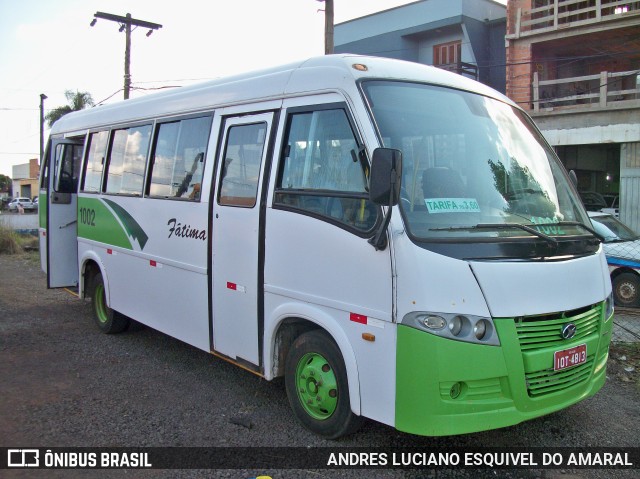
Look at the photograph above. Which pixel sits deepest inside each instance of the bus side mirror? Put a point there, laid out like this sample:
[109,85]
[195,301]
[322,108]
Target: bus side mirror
[384,179]
[384,188]
[574,178]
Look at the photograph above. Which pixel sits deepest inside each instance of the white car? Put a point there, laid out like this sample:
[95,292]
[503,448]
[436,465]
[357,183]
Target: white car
[26,204]
[622,248]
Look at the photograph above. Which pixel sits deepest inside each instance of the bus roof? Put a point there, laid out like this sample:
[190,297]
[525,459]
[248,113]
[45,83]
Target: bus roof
[325,73]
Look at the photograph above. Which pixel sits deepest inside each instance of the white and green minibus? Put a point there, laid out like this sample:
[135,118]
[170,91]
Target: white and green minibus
[398,241]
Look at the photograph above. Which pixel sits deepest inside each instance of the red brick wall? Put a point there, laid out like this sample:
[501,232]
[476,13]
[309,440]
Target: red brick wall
[519,65]
[34,169]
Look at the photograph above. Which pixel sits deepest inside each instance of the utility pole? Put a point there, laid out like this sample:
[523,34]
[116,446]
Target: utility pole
[43,97]
[126,23]
[328,26]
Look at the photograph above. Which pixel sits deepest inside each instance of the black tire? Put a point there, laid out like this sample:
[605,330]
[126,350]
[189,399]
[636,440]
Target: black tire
[317,387]
[626,290]
[108,320]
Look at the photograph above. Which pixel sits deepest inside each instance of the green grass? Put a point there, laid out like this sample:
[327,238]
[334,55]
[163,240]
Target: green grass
[10,241]
[14,243]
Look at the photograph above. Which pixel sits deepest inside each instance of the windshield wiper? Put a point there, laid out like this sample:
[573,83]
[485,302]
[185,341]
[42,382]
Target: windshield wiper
[581,225]
[528,229]
[502,226]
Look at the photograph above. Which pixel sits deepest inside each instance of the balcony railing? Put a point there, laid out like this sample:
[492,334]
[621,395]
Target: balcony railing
[605,90]
[461,68]
[550,15]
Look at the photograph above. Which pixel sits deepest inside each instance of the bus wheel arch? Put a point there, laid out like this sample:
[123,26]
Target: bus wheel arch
[286,330]
[95,287]
[317,385]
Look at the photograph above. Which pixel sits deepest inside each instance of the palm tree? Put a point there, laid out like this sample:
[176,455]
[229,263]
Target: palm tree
[77,101]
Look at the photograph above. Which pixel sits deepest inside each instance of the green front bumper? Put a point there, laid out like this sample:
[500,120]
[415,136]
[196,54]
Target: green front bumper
[446,387]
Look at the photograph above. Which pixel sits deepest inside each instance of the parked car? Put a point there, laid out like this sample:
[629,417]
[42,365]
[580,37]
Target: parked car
[613,205]
[26,204]
[592,200]
[622,248]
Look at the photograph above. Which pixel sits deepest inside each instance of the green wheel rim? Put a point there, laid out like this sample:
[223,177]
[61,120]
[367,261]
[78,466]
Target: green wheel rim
[317,386]
[101,306]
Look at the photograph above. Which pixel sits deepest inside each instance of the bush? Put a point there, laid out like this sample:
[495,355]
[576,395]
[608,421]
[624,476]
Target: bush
[9,241]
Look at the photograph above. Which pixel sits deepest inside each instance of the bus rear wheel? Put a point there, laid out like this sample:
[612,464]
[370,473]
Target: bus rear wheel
[317,386]
[108,320]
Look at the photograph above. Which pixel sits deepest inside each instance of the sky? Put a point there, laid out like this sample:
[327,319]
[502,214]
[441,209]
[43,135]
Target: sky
[49,47]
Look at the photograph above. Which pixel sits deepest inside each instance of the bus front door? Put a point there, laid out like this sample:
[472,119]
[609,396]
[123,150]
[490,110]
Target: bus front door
[62,214]
[236,236]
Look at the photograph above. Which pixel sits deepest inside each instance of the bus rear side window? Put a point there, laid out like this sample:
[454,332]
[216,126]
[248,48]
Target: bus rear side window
[178,158]
[127,159]
[95,161]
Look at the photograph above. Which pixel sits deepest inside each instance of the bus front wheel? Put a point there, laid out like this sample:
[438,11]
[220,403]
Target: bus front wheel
[317,386]
[108,320]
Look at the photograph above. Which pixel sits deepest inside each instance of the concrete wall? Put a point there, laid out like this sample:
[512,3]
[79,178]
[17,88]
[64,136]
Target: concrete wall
[27,221]
[630,185]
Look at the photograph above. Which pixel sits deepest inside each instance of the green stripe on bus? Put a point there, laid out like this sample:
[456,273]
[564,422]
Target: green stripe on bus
[99,223]
[131,226]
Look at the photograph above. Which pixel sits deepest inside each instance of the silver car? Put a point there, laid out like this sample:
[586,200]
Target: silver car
[26,203]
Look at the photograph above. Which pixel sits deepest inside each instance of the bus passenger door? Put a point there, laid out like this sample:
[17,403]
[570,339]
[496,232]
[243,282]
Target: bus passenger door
[236,227]
[61,215]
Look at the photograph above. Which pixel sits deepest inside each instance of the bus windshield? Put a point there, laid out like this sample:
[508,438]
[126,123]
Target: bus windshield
[473,167]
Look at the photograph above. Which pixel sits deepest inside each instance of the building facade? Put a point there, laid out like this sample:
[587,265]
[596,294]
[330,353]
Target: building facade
[575,65]
[465,36]
[25,179]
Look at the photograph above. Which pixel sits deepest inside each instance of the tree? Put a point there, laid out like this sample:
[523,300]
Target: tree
[5,184]
[77,101]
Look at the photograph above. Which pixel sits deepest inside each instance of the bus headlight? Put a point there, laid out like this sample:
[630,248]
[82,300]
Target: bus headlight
[455,325]
[480,329]
[608,307]
[434,322]
[459,327]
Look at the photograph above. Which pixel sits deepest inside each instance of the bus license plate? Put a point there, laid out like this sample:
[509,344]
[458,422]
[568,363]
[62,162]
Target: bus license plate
[567,358]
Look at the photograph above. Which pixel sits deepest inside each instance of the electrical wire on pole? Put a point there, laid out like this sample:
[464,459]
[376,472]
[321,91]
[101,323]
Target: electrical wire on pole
[126,22]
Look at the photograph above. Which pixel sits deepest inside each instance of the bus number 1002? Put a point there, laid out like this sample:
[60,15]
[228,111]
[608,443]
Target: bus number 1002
[87,216]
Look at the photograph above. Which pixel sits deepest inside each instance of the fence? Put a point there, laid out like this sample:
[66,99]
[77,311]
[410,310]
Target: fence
[601,90]
[550,15]
[626,325]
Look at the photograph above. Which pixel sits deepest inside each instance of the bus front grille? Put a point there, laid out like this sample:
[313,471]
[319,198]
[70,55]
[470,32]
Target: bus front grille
[549,381]
[545,332]
[537,332]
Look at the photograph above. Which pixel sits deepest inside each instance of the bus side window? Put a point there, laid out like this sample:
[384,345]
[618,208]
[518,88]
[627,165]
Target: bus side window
[95,161]
[67,167]
[321,172]
[127,160]
[178,156]
[241,169]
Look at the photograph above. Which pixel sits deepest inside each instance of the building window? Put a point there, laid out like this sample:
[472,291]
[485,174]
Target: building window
[447,55]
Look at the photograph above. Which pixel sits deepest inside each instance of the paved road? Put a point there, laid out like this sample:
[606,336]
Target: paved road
[63,383]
